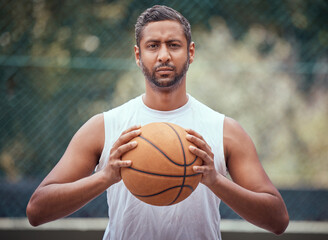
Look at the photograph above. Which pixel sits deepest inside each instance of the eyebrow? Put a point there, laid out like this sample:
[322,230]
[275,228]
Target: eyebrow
[158,41]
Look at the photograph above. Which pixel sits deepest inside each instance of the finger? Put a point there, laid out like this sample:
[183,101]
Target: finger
[119,163]
[199,169]
[125,163]
[135,127]
[193,132]
[126,136]
[197,135]
[117,154]
[196,140]
[201,154]
[200,143]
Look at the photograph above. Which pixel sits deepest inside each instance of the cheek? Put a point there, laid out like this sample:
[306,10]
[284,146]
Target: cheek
[180,60]
[147,59]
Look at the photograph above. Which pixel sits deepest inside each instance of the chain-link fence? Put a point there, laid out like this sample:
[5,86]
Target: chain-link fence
[61,62]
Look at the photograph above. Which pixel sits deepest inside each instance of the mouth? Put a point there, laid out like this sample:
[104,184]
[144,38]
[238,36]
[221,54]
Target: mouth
[164,71]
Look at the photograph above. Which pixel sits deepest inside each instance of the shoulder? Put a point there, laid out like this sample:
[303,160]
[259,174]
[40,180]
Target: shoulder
[235,138]
[92,133]
[94,123]
[232,128]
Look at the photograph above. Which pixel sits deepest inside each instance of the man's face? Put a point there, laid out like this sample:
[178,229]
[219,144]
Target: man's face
[164,56]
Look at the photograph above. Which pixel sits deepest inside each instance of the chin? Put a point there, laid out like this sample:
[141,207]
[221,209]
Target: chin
[165,85]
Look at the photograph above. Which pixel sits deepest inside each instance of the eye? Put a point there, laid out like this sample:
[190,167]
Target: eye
[152,46]
[174,45]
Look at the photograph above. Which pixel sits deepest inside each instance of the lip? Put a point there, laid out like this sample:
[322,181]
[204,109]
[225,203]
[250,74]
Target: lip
[164,69]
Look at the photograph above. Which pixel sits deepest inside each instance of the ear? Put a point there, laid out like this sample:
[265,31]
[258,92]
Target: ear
[137,55]
[191,52]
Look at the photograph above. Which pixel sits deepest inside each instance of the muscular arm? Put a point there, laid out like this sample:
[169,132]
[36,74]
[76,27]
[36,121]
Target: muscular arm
[251,193]
[71,184]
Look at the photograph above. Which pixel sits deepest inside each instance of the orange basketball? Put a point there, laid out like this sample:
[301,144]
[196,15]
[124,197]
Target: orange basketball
[161,173]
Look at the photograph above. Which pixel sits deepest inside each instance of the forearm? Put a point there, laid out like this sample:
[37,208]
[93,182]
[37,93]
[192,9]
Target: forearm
[262,209]
[58,200]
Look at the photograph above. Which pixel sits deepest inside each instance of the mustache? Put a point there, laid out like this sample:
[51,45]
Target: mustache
[164,65]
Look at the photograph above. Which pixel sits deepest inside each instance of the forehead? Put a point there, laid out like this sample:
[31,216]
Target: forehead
[163,30]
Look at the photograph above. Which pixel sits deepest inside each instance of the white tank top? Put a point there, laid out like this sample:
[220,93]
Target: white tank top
[197,217]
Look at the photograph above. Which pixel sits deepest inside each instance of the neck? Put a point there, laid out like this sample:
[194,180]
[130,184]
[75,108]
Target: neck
[165,100]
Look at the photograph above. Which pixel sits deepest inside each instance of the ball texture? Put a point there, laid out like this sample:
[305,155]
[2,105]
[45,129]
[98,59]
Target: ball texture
[161,173]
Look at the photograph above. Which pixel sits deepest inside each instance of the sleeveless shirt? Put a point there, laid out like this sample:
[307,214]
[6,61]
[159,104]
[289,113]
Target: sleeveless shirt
[196,217]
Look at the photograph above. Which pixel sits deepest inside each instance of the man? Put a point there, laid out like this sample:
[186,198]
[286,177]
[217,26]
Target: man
[164,51]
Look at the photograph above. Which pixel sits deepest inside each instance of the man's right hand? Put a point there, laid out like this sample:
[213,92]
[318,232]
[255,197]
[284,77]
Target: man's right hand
[120,147]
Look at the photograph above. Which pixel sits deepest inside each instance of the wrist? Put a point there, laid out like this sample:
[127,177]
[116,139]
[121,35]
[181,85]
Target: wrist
[105,178]
[216,182]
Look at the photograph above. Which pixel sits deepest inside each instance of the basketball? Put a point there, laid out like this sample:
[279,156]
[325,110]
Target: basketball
[161,173]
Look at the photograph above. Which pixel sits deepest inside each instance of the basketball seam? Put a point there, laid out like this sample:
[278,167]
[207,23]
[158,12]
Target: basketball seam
[184,167]
[165,190]
[162,175]
[168,158]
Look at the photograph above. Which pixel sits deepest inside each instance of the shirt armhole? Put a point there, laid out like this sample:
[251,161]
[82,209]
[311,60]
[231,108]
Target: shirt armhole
[105,152]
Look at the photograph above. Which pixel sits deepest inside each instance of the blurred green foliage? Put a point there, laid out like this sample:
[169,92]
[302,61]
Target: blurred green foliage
[63,61]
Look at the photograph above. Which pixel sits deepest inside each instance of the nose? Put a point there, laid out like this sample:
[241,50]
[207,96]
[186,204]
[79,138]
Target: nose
[164,54]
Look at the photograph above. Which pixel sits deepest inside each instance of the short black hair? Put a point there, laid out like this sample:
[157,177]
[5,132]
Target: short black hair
[160,13]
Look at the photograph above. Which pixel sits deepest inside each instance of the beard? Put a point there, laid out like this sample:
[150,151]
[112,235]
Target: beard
[168,84]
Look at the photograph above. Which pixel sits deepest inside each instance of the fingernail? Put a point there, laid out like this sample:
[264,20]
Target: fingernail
[134,143]
[192,148]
